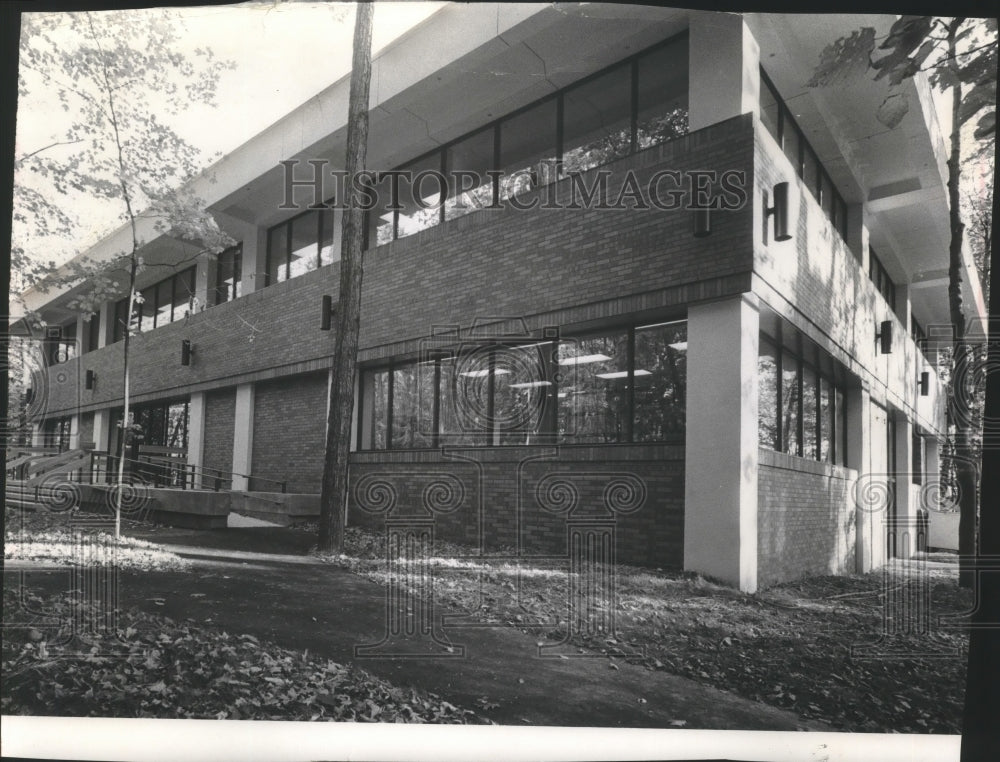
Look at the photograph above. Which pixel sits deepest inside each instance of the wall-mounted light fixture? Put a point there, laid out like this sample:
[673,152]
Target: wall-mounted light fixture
[925,383]
[187,352]
[883,335]
[329,309]
[780,212]
[702,223]
[90,379]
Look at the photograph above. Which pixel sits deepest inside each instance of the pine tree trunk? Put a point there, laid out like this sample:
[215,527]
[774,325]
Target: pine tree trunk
[333,494]
[961,399]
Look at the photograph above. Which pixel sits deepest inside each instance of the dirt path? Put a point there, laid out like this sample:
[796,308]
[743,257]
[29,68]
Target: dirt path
[286,597]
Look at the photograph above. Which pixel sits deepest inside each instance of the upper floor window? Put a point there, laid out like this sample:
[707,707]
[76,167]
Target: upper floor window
[778,120]
[881,279]
[802,403]
[92,326]
[634,104]
[624,385]
[164,302]
[917,332]
[60,343]
[301,244]
[229,274]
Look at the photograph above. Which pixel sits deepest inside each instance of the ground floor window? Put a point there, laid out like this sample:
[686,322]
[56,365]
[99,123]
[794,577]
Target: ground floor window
[919,457]
[57,432]
[622,385]
[802,402]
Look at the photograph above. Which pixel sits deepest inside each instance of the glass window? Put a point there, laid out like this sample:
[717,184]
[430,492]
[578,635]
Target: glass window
[412,406]
[792,143]
[147,310]
[228,275]
[918,457]
[593,393]
[375,409]
[304,253]
[419,195]
[663,95]
[522,387]
[381,219]
[809,412]
[329,236]
[184,289]
[767,410]
[93,331]
[597,121]
[277,254]
[465,404]
[177,425]
[840,421]
[769,107]
[810,173]
[660,379]
[121,320]
[826,420]
[528,149]
[466,194]
[164,301]
[790,403]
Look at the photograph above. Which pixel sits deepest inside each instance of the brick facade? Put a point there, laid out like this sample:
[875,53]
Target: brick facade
[220,408]
[524,499]
[805,518]
[488,263]
[288,432]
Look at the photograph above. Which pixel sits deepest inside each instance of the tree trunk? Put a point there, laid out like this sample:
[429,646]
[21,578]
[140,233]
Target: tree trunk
[961,401]
[333,494]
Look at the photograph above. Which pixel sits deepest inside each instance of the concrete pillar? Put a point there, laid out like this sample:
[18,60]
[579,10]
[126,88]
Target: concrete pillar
[254,276]
[196,436]
[723,69]
[101,420]
[903,306]
[859,458]
[932,461]
[107,317]
[720,482]
[857,234]
[243,436]
[74,431]
[37,435]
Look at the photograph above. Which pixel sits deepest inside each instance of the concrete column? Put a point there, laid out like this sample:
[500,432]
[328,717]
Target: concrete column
[243,435]
[906,500]
[107,317]
[254,260]
[81,335]
[196,435]
[723,69]
[932,460]
[903,306]
[37,435]
[857,234]
[720,482]
[74,431]
[101,419]
[859,458]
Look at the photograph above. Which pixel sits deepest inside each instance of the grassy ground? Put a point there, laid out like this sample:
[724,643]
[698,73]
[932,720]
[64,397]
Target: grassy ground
[790,646]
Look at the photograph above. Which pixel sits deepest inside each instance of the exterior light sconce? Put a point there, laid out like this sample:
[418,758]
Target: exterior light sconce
[780,212]
[884,337]
[702,223]
[90,379]
[187,351]
[925,383]
[328,311]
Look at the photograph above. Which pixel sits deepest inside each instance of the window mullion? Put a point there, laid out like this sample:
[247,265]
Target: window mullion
[436,435]
[630,391]
[634,140]
[390,383]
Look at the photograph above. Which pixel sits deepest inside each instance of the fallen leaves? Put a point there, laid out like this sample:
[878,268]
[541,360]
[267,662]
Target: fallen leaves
[154,667]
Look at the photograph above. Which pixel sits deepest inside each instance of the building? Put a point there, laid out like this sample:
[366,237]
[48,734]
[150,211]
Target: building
[735,389]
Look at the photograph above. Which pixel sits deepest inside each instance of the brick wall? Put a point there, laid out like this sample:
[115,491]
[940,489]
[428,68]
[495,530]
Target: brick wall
[220,407]
[805,518]
[288,432]
[496,498]
[487,263]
